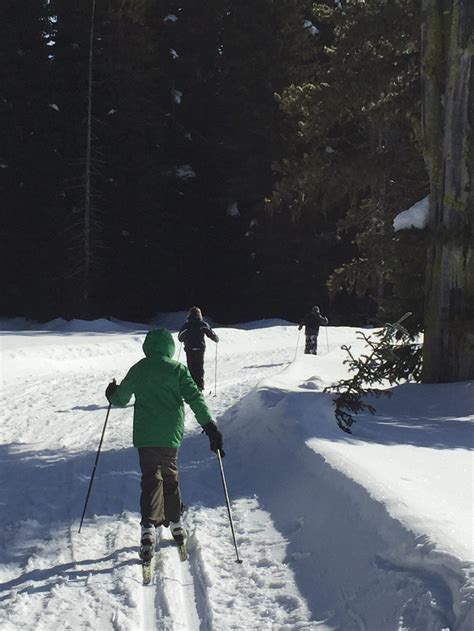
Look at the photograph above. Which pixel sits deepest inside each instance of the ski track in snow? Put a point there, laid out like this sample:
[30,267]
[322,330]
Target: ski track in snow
[53,577]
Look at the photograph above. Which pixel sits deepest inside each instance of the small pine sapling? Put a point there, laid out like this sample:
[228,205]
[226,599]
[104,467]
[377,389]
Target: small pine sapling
[392,357]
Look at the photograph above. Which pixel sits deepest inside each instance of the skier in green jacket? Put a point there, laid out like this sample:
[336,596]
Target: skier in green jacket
[160,385]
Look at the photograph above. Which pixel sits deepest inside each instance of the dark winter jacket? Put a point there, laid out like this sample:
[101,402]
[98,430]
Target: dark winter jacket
[192,334]
[160,386]
[312,322]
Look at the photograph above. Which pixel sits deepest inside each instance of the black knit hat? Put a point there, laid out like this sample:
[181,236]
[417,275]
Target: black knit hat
[195,312]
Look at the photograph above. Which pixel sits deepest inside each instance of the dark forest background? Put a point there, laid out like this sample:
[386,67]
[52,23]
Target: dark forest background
[247,156]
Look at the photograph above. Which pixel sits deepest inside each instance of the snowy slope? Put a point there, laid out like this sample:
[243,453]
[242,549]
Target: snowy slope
[371,531]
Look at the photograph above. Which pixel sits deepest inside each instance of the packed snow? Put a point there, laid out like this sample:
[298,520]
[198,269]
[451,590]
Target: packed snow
[365,532]
[414,217]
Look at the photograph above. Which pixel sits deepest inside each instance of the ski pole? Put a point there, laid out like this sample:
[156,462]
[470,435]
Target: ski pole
[215,374]
[327,338]
[297,342]
[95,465]
[218,454]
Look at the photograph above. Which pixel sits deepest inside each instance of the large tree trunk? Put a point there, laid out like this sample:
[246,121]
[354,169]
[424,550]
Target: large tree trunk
[448,125]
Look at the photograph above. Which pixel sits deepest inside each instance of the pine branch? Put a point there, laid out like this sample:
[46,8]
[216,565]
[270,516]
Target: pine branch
[393,357]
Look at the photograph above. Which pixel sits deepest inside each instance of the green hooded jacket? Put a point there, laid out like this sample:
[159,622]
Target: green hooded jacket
[160,385]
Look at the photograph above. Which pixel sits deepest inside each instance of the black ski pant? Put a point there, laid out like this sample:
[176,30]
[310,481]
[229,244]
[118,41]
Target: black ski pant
[160,499]
[195,359]
[311,346]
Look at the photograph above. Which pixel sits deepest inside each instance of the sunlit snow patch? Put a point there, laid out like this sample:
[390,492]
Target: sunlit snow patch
[414,217]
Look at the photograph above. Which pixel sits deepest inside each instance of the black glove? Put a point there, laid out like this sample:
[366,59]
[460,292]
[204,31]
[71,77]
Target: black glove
[111,388]
[215,438]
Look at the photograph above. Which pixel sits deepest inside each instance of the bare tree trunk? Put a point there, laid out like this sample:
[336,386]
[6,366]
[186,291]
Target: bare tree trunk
[448,125]
[87,174]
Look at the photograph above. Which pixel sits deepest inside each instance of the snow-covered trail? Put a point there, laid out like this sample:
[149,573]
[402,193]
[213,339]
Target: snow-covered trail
[369,532]
[52,576]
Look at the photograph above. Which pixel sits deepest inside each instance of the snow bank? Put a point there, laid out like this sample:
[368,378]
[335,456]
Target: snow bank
[100,325]
[172,321]
[379,524]
[175,320]
[60,325]
[264,324]
[14,324]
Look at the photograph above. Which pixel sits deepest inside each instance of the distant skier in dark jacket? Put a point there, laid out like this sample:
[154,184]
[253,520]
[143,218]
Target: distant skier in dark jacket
[312,321]
[192,335]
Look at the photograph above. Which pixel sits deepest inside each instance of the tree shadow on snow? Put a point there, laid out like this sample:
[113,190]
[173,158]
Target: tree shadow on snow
[43,492]
[422,416]
[266,365]
[427,431]
[406,418]
[51,485]
[44,579]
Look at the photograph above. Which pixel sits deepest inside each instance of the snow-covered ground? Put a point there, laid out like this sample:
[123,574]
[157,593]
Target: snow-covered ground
[372,531]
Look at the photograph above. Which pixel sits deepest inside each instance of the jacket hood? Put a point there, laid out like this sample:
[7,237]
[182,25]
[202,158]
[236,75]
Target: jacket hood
[159,342]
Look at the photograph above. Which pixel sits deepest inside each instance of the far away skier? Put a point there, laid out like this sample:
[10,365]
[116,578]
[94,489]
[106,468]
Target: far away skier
[160,385]
[192,335]
[312,321]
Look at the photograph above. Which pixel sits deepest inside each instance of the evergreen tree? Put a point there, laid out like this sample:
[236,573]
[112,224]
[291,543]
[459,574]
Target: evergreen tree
[131,235]
[357,160]
[138,136]
[201,112]
[265,45]
[28,158]
[75,66]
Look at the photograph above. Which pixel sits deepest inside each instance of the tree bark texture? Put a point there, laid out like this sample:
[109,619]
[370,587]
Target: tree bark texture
[448,126]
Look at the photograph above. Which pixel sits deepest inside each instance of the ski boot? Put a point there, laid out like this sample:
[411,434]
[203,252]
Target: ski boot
[147,543]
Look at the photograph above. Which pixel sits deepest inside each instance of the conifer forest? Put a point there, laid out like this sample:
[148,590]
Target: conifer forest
[246,156]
